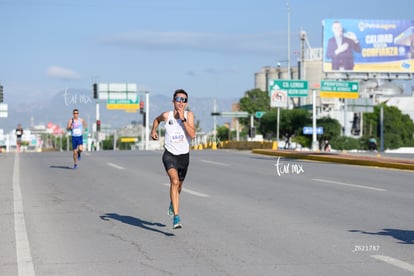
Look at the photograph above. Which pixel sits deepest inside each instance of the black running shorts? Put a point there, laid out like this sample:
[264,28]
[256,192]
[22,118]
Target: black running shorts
[178,162]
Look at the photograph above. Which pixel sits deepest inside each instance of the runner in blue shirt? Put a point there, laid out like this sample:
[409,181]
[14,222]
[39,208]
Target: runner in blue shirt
[76,126]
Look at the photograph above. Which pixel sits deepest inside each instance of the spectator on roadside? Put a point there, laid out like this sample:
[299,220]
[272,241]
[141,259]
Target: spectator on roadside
[327,146]
[372,143]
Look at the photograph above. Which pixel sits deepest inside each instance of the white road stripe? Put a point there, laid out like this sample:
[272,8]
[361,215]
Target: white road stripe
[24,257]
[190,191]
[215,163]
[350,185]
[394,262]
[115,166]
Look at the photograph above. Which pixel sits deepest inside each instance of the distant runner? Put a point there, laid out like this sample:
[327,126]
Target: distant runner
[76,126]
[19,134]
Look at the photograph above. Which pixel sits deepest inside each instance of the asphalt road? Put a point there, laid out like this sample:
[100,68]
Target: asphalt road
[242,214]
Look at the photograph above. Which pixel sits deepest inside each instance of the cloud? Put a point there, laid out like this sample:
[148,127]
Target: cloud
[263,43]
[191,73]
[62,73]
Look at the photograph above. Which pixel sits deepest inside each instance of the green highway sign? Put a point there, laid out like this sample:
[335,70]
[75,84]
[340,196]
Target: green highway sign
[122,101]
[259,114]
[294,88]
[126,104]
[234,114]
[339,89]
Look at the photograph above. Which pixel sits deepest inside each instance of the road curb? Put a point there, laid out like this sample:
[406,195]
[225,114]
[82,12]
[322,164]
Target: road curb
[402,164]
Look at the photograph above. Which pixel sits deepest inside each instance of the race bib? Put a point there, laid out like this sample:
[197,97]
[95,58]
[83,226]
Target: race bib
[177,137]
[77,132]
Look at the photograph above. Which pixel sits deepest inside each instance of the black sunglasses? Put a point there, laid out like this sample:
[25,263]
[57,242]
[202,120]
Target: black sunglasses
[180,99]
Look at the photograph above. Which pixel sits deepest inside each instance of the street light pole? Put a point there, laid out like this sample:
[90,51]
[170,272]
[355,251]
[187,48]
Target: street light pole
[146,120]
[288,60]
[97,119]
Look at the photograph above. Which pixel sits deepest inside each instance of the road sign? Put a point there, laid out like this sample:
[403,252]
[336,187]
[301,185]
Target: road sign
[116,90]
[4,110]
[294,88]
[129,139]
[236,114]
[278,97]
[309,130]
[339,89]
[259,114]
[361,105]
[128,104]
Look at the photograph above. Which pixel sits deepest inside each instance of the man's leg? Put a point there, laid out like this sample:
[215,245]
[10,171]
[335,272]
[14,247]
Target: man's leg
[175,189]
[171,207]
[75,156]
[75,152]
[80,149]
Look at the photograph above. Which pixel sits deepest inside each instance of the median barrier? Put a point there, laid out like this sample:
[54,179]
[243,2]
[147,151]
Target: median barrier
[377,161]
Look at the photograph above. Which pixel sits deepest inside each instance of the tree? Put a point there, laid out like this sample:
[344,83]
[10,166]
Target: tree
[291,122]
[223,133]
[331,129]
[254,100]
[398,127]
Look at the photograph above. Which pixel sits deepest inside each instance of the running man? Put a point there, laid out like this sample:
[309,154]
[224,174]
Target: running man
[179,130]
[76,125]
[19,134]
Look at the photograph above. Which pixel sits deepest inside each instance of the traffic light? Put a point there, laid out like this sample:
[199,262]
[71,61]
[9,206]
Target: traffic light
[252,132]
[95,90]
[141,107]
[356,124]
[1,93]
[98,125]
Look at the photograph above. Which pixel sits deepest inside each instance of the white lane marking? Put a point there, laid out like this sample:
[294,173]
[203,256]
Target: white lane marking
[188,191]
[350,185]
[115,166]
[215,163]
[24,257]
[394,262]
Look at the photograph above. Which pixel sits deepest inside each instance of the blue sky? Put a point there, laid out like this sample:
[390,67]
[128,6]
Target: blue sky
[210,48]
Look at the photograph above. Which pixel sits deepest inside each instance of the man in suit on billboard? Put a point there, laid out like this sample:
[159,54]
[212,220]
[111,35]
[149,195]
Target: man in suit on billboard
[341,48]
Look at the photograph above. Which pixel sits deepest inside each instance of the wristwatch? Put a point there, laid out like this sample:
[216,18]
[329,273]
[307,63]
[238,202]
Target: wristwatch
[184,120]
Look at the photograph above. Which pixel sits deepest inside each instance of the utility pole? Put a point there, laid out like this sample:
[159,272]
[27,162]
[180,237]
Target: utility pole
[382,128]
[146,120]
[215,121]
[288,59]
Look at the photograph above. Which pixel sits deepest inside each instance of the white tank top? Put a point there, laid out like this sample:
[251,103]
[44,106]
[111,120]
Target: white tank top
[77,128]
[176,140]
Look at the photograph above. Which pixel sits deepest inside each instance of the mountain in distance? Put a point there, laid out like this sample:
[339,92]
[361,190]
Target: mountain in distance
[58,110]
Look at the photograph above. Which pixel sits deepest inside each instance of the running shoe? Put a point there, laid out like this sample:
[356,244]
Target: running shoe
[170,210]
[79,155]
[75,166]
[177,222]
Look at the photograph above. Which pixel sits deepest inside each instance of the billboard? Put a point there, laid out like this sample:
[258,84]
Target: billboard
[361,45]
